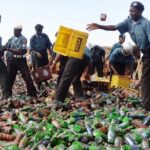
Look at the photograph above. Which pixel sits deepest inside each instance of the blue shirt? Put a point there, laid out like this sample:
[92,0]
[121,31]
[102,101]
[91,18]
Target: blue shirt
[1,49]
[117,57]
[0,44]
[139,31]
[40,42]
[116,45]
[87,52]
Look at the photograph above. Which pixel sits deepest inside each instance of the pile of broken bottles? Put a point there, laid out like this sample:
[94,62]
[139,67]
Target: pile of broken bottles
[104,121]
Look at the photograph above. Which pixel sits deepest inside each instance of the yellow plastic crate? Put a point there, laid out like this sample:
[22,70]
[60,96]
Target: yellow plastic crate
[120,81]
[99,79]
[70,42]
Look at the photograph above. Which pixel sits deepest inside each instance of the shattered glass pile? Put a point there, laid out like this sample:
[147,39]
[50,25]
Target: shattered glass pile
[111,120]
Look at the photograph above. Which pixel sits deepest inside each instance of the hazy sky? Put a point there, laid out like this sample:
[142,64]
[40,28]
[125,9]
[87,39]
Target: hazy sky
[75,14]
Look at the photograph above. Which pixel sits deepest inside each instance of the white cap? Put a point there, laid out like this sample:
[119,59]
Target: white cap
[127,49]
[18,27]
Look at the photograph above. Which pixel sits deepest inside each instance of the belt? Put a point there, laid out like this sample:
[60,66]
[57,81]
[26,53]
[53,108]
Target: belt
[19,56]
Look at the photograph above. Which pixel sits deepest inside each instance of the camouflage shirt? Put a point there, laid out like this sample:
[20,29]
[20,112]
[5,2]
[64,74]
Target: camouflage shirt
[16,43]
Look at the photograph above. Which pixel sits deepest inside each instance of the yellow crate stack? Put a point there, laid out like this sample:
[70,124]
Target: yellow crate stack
[70,42]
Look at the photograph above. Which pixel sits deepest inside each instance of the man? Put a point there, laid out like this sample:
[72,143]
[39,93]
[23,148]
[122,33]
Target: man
[121,61]
[97,60]
[118,44]
[16,60]
[139,29]
[39,43]
[72,72]
[3,75]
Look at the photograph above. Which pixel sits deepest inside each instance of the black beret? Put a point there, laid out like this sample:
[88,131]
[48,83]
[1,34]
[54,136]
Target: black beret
[137,5]
[38,26]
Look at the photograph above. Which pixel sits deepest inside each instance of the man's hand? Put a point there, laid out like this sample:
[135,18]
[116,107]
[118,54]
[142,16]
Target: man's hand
[51,61]
[53,68]
[15,51]
[137,84]
[127,71]
[115,72]
[92,26]
[38,54]
[87,77]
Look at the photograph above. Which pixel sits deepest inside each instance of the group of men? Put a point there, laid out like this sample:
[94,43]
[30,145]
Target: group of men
[121,61]
[124,56]
[139,29]
[16,49]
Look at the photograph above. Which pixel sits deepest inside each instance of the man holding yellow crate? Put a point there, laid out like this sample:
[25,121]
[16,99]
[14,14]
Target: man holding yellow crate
[71,74]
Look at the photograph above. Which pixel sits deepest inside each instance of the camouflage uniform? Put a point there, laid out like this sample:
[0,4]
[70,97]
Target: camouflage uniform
[17,63]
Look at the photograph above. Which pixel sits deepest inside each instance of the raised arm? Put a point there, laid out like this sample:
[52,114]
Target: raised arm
[94,26]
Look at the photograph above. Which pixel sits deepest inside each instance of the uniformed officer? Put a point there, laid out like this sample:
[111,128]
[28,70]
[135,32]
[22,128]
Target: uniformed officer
[121,61]
[118,44]
[39,44]
[16,60]
[72,72]
[3,74]
[139,29]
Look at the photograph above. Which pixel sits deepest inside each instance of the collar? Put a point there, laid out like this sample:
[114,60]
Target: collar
[124,53]
[17,36]
[38,35]
[136,22]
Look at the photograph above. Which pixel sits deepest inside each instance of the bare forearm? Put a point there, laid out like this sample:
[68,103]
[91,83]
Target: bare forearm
[95,26]
[108,28]
[112,67]
[57,58]
[50,51]
[35,52]
[16,51]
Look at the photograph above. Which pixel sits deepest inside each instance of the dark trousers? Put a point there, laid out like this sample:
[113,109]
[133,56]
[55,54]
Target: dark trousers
[4,80]
[98,67]
[19,64]
[72,73]
[63,61]
[120,68]
[145,83]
